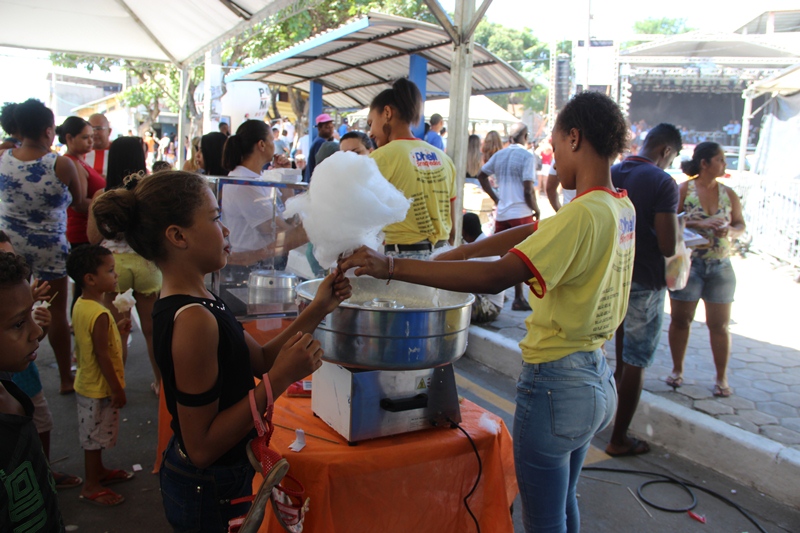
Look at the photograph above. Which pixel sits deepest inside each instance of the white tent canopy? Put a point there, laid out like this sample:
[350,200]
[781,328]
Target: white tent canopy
[152,30]
[785,82]
[481,109]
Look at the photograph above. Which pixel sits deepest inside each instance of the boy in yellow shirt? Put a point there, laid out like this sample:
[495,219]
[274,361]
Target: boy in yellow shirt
[100,345]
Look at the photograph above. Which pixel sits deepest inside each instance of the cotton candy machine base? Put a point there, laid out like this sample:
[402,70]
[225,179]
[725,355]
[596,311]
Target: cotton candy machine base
[365,404]
[389,351]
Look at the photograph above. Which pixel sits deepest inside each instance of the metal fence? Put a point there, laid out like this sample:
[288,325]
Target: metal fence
[771,208]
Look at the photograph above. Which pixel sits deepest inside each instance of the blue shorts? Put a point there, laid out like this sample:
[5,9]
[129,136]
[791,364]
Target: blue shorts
[713,280]
[642,325]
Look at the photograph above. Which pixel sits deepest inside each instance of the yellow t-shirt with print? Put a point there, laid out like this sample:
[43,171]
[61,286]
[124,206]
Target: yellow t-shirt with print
[425,175]
[89,380]
[582,262]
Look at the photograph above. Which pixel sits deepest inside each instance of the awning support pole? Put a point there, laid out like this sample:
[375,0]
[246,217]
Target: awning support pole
[461,90]
[418,73]
[745,133]
[183,124]
[314,110]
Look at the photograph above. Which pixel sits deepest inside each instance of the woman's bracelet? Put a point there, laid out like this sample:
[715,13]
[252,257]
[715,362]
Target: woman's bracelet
[391,269]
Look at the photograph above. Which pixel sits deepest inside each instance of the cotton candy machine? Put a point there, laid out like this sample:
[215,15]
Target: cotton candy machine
[389,351]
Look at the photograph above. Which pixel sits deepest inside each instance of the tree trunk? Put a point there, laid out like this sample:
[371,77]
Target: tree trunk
[300,106]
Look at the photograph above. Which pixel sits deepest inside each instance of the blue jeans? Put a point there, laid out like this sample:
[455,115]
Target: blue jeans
[198,499]
[560,407]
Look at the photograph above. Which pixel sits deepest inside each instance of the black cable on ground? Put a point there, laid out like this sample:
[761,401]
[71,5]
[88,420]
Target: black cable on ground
[477,479]
[687,486]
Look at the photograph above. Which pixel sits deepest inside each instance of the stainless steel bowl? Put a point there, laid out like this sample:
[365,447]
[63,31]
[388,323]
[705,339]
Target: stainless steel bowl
[270,286]
[400,326]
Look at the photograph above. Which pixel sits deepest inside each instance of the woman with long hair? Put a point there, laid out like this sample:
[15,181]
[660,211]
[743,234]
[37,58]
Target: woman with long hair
[36,187]
[190,165]
[126,165]
[491,145]
[715,212]
[418,169]
[474,162]
[209,157]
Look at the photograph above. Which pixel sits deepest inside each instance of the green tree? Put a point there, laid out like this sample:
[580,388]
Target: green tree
[661,26]
[522,51]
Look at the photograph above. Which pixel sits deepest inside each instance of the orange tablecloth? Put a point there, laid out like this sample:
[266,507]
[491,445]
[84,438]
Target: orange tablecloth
[405,483]
[400,484]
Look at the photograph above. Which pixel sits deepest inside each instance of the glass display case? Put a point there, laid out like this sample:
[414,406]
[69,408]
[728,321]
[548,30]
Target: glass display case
[256,282]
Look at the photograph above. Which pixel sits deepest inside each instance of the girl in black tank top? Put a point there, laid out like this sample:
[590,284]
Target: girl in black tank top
[207,360]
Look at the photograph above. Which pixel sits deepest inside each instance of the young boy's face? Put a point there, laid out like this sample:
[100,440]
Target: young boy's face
[105,279]
[19,333]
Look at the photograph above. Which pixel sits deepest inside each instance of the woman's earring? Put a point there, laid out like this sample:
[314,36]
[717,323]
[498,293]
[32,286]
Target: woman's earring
[573,147]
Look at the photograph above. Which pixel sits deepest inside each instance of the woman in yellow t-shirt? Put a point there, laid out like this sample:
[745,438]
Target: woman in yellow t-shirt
[419,170]
[579,264]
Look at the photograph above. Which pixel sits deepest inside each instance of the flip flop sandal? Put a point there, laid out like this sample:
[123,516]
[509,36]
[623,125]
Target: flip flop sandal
[674,381]
[251,522]
[117,476]
[66,481]
[93,499]
[637,447]
[288,505]
[265,460]
[722,392]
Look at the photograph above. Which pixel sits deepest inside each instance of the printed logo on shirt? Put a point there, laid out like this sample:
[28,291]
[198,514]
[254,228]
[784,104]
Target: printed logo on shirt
[423,158]
[627,228]
[26,507]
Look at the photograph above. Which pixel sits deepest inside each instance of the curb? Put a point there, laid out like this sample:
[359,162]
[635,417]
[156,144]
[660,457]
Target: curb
[753,460]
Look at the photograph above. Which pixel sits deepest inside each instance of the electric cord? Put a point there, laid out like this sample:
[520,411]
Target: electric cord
[477,479]
[687,486]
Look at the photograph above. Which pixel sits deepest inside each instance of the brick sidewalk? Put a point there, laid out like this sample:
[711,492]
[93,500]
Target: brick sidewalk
[764,368]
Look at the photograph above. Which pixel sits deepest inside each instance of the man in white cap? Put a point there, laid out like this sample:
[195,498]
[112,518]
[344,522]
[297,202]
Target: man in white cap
[325,129]
[98,157]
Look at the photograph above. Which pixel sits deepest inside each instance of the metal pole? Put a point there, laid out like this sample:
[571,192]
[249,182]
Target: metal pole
[588,44]
[418,73]
[182,122]
[461,90]
[314,110]
[745,134]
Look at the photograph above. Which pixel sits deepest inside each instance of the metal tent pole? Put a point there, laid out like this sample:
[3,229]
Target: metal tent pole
[182,120]
[745,133]
[466,20]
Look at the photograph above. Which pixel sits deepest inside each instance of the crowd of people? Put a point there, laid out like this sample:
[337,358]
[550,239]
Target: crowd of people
[95,215]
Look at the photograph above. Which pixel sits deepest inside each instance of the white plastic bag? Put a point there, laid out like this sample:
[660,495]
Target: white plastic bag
[678,267]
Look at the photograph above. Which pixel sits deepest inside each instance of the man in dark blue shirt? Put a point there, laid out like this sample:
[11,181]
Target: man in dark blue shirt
[655,196]
[325,130]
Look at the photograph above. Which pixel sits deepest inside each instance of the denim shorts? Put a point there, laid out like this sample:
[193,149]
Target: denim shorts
[642,325]
[713,280]
[198,499]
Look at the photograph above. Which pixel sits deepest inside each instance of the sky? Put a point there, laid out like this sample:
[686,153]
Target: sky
[612,19]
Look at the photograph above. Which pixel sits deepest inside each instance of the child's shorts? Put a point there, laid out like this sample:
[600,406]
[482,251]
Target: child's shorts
[98,423]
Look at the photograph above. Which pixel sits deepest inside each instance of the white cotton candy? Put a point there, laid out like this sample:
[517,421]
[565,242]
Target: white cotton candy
[347,205]
[125,301]
[489,423]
